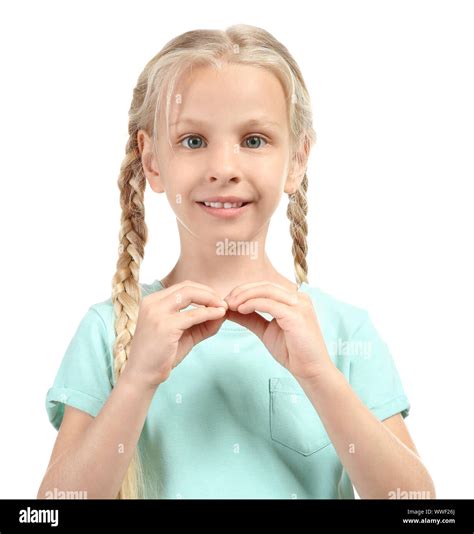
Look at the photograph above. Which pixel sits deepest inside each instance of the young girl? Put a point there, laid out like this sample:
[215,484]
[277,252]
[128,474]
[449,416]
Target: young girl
[225,379]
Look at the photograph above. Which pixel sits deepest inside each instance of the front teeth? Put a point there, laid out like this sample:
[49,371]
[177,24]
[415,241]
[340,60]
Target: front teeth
[225,204]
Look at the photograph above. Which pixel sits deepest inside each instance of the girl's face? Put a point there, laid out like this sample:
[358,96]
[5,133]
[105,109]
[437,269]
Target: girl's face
[230,137]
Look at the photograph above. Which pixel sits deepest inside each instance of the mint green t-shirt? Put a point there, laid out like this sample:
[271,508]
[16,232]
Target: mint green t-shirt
[230,421]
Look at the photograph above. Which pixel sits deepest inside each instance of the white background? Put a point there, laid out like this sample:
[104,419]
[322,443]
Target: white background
[390,193]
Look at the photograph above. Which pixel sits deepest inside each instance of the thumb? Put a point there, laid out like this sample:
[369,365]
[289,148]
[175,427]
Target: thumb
[253,321]
[212,326]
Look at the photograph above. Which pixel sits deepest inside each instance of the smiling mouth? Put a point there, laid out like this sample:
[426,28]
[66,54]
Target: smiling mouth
[224,205]
[225,213]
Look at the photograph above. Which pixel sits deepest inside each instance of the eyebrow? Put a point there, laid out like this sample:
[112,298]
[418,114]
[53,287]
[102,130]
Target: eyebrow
[262,121]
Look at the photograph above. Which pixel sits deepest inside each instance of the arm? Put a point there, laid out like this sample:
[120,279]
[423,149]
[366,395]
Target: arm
[376,461]
[397,426]
[98,460]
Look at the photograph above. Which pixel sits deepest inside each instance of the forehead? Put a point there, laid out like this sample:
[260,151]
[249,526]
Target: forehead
[237,93]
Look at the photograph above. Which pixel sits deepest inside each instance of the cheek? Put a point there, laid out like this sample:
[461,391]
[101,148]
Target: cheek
[275,166]
[179,178]
[177,192]
[271,179]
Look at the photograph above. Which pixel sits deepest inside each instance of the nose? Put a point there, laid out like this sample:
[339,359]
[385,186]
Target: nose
[223,163]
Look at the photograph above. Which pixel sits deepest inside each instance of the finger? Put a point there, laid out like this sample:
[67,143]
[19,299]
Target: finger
[276,309]
[267,290]
[242,287]
[182,298]
[253,321]
[163,293]
[208,328]
[187,319]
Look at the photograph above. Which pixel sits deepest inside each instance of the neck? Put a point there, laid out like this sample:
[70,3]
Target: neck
[224,262]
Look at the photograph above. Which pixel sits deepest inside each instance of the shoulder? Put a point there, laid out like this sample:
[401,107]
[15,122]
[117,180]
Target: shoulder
[361,354]
[338,315]
[103,310]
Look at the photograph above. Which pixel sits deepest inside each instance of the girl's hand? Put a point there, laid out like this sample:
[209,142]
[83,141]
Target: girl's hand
[164,335]
[293,336]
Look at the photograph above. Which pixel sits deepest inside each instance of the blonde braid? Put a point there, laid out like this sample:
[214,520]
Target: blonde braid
[126,292]
[296,212]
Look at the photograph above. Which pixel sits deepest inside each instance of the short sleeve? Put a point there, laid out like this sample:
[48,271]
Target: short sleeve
[373,374]
[84,377]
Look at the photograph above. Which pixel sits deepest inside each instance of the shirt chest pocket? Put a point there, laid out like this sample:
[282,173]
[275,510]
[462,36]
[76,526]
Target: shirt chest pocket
[294,422]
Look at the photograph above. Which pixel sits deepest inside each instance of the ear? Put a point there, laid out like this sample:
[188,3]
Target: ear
[298,166]
[149,163]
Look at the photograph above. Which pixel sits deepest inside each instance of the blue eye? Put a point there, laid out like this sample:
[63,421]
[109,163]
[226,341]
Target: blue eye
[190,137]
[256,137]
[260,138]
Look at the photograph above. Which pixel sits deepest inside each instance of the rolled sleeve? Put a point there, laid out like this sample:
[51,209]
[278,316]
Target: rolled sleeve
[373,373]
[84,378]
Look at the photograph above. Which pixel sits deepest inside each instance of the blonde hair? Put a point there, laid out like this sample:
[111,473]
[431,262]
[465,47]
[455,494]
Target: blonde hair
[238,44]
